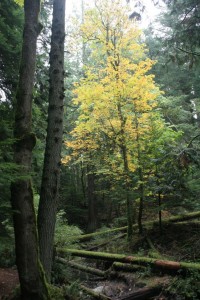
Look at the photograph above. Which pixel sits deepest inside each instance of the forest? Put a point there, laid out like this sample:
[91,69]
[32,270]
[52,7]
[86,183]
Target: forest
[99,150]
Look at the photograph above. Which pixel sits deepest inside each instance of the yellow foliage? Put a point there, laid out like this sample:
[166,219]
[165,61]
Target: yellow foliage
[117,95]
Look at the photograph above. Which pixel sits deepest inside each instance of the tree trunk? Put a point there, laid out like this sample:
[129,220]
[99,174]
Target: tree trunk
[141,203]
[160,213]
[126,174]
[52,160]
[92,210]
[31,276]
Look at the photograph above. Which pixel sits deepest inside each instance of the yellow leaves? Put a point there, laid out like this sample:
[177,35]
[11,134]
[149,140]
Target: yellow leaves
[19,2]
[117,96]
[65,160]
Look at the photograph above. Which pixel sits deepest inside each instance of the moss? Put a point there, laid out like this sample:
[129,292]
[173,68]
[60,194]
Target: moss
[56,293]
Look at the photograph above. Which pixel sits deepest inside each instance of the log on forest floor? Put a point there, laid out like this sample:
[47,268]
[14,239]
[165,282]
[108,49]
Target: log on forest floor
[82,268]
[142,294]
[110,273]
[118,266]
[158,263]
[174,219]
[119,236]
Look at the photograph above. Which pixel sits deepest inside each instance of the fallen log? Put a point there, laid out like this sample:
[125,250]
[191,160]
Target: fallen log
[174,219]
[158,263]
[142,294]
[92,248]
[126,267]
[184,217]
[79,267]
[88,236]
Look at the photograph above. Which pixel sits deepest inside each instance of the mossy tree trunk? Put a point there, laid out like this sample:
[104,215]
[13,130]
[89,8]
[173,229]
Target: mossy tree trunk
[31,276]
[52,160]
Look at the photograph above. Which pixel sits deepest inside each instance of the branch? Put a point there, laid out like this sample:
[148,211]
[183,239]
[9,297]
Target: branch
[185,51]
[192,140]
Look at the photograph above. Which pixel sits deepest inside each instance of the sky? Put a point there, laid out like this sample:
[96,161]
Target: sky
[150,14]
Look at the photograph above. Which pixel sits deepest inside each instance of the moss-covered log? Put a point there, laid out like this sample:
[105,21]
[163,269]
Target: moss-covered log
[184,217]
[159,263]
[108,241]
[83,268]
[87,237]
[126,267]
[174,219]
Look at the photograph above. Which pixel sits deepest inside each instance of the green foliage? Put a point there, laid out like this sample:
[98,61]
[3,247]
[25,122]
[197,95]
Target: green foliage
[72,291]
[56,293]
[63,231]
[19,2]
[7,251]
[186,285]
[144,273]
[11,26]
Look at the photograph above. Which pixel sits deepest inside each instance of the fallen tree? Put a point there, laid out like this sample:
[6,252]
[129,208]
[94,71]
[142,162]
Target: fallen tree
[95,247]
[117,266]
[174,219]
[142,294]
[158,263]
[80,267]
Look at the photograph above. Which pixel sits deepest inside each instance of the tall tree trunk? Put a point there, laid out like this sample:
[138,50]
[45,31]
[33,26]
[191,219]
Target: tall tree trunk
[126,174]
[141,203]
[129,207]
[92,211]
[140,173]
[52,160]
[31,276]
[160,212]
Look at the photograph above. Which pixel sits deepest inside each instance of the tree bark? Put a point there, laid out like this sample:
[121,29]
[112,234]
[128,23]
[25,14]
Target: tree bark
[51,171]
[32,282]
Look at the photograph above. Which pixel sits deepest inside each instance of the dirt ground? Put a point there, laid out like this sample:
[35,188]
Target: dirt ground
[8,281]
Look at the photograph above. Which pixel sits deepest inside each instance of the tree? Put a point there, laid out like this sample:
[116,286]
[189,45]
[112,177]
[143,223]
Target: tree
[31,276]
[176,48]
[49,195]
[116,97]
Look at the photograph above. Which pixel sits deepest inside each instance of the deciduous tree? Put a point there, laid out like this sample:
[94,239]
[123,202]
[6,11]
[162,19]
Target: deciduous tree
[117,95]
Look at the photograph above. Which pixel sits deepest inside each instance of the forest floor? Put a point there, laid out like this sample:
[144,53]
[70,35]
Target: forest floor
[8,282]
[178,242]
